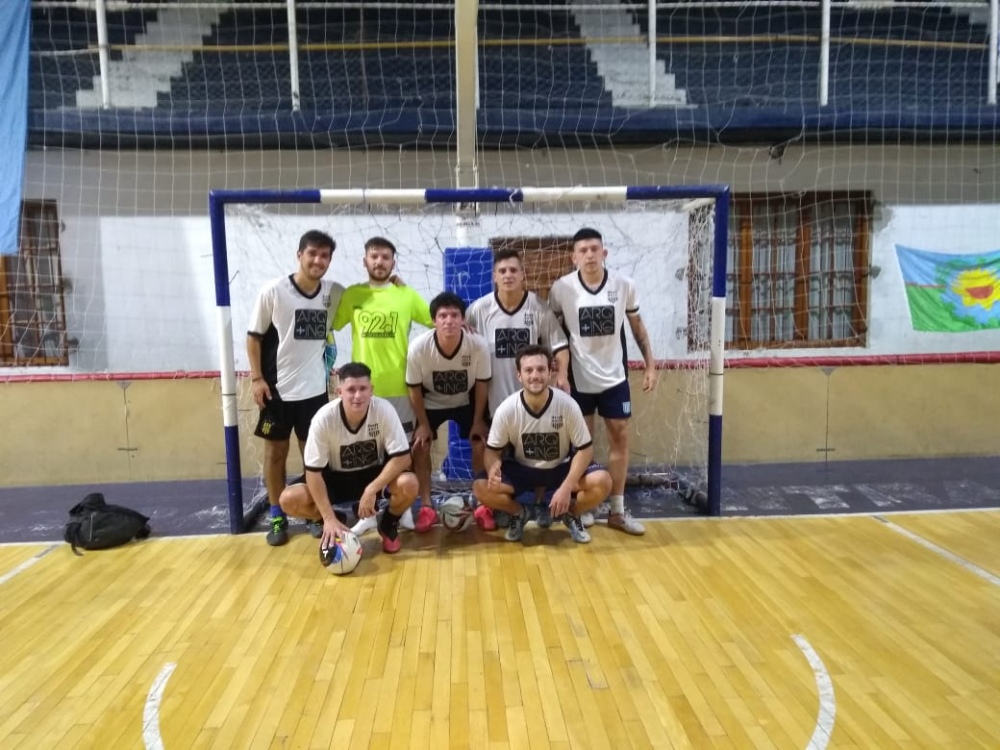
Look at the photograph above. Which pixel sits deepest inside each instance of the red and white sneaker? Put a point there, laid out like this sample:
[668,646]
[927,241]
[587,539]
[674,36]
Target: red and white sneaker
[425,520]
[484,518]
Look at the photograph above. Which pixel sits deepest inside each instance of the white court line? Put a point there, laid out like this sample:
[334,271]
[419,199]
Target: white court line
[969,566]
[827,702]
[26,564]
[151,738]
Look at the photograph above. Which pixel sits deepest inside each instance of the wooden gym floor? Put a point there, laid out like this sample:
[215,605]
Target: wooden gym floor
[842,632]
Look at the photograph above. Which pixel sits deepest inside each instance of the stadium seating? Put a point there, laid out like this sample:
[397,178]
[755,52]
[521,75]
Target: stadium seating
[755,65]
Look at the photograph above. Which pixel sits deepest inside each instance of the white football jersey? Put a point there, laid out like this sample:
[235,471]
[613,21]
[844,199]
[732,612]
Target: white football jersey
[595,321]
[447,380]
[333,444]
[292,326]
[540,440]
[506,331]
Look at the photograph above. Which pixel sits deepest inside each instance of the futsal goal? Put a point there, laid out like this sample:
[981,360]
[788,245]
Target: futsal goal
[671,240]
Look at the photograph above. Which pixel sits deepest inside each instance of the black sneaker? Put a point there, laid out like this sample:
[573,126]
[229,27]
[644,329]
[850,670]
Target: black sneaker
[315,528]
[278,534]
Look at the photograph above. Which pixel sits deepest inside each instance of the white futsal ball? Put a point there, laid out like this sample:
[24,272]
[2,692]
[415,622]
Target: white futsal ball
[456,515]
[344,556]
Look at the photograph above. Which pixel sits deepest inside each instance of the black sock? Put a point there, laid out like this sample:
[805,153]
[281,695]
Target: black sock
[390,521]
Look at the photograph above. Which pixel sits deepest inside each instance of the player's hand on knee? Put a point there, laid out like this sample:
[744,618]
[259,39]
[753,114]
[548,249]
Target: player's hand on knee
[494,477]
[422,437]
[559,503]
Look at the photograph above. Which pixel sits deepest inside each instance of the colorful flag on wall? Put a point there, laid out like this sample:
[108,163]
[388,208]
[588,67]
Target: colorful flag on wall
[951,293]
[15,19]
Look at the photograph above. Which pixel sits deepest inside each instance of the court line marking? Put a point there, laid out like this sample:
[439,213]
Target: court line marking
[26,564]
[946,554]
[827,714]
[151,738]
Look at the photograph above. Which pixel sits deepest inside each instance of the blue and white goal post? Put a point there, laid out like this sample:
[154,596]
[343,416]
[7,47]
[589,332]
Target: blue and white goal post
[671,240]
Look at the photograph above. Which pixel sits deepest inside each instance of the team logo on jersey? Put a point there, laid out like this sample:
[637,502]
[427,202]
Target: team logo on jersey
[450,382]
[540,446]
[529,319]
[507,341]
[598,320]
[557,421]
[310,325]
[466,360]
[373,429]
[359,455]
[612,295]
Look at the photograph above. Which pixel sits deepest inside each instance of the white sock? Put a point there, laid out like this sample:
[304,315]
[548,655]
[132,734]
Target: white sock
[617,503]
[365,524]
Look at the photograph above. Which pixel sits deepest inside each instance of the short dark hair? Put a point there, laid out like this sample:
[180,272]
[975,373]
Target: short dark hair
[317,238]
[447,299]
[506,253]
[354,370]
[533,350]
[380,242]
[587,234]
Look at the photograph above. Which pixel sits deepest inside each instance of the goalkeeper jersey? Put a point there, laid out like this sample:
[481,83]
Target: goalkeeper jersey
[380,319]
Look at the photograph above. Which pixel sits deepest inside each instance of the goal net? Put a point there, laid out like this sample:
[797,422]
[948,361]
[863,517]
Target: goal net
[665,239]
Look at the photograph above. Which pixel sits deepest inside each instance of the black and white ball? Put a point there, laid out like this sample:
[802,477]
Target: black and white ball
[343,557]
[456,513]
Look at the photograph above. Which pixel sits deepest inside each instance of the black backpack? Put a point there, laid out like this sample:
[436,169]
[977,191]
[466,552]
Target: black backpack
[94,524]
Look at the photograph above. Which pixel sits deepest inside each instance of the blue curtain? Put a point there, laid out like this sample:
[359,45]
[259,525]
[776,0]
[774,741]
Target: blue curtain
[15,20]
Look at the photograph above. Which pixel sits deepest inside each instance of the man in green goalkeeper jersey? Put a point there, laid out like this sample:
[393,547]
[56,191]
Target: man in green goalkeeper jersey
[380,314]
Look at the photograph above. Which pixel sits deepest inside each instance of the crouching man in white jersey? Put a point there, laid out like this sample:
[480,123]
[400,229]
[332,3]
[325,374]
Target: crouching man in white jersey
[551,449]
[509,318]
[593,305]
[356,453]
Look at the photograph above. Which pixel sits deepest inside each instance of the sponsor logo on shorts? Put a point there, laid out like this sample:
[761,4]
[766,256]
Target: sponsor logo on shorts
[626,407]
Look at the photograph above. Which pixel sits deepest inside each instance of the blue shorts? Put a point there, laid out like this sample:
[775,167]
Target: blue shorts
[524,479]
[614,403]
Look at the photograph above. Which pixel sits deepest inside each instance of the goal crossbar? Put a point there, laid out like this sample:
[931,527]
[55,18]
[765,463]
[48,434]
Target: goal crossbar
[219,199]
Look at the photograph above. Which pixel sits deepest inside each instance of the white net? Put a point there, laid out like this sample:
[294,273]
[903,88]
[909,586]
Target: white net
[665,246]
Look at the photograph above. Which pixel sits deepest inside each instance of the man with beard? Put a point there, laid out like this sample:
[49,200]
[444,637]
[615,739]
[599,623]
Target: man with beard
[380,314]
[551,448]
[285,345]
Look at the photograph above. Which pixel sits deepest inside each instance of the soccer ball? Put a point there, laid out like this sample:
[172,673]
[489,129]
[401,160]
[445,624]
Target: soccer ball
[456,515]
[344,556]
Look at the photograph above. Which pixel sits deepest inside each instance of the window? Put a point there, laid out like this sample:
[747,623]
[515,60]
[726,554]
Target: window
[32,308]
[798,270]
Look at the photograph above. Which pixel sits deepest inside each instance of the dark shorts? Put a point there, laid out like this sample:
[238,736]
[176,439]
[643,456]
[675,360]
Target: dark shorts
[347,487]
[524,479]
[460,415]
[278,418]
[614,403]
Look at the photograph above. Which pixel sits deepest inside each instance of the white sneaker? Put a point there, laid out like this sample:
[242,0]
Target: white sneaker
[587,519]
[406,520]
[364,525]
[625,522]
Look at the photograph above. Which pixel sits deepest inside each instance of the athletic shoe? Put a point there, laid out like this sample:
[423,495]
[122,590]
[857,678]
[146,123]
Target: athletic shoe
[278,534]
[426,518]
[576,530]
[543,516]
[625,522]
[389,531]
[587,519]
[515,529]
[484,518]
[315,528]
[365,525]
[501,518]
[406,520]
